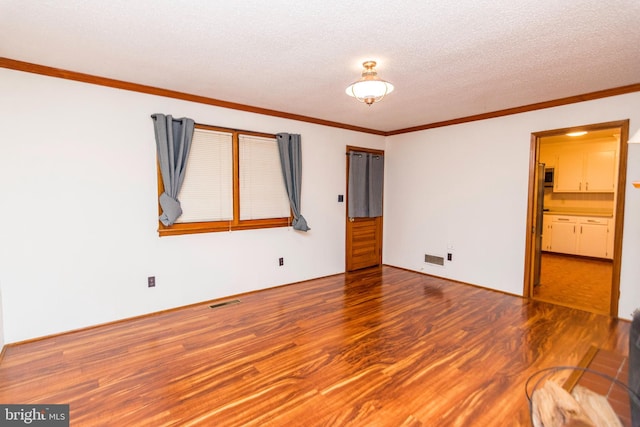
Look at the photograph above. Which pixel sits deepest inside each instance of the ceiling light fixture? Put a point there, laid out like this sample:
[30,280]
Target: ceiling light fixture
[370,88]
[580,133]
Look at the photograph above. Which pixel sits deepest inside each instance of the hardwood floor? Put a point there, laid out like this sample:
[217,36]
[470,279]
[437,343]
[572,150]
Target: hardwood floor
[380,347]
[578,282]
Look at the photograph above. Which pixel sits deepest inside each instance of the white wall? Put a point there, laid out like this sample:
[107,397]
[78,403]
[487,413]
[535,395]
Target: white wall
[79,236]
[465,187]
[630,274]
[80,214]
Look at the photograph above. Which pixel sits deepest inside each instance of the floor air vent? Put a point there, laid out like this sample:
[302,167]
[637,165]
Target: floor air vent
[432,259]
[222,304]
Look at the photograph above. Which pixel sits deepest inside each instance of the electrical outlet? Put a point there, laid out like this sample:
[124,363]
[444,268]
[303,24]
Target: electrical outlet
[449,256]
[281,262]
[151,281]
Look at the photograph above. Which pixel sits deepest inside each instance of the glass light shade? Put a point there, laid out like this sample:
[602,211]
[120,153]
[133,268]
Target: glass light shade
[369,91]
[370,88]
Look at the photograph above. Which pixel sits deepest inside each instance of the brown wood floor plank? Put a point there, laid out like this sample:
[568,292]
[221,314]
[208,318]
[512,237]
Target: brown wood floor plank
[379,347]
[574,281]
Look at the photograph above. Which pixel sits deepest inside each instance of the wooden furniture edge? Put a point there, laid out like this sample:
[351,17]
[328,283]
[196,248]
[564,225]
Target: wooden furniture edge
[575,376]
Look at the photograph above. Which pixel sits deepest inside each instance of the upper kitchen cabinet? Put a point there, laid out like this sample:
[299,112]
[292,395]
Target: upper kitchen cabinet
[588,167]
[548,156]
[569,171]
[600,171]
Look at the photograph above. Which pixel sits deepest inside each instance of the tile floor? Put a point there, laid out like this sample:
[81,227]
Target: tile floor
[614,365]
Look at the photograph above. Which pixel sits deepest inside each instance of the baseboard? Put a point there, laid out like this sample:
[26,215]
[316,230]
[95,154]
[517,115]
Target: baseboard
[155,313]
[4,347]
[456,281]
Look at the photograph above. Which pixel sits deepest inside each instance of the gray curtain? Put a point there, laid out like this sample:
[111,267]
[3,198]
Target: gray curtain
[173,142]
[366,181]
[289,148]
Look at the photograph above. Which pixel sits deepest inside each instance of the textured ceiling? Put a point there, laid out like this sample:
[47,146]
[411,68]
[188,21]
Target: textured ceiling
[447,59]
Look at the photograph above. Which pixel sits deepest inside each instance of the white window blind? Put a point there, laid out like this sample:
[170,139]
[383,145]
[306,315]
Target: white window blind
[207,191]
[262,191]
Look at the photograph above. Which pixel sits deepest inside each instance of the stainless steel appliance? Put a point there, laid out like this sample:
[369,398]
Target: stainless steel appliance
[537,228]
[548,177]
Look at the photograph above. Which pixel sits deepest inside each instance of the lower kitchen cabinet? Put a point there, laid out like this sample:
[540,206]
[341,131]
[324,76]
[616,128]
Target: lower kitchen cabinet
[577,235]
[592,238]
[563,235]
[546,232]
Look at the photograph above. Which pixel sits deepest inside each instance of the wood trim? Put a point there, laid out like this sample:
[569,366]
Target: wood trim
[619,220]
[364,150]
[235,131]
[524,108]
[576,374]
[236,178]
[28,67]
[590,127]
[217,226]
[157,313]
[531,217]
[453,280]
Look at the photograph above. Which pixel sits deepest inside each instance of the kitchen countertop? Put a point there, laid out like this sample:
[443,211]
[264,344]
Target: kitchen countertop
[574,212]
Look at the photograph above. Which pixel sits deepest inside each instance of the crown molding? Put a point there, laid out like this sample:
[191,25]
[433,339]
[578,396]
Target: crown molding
[135,87]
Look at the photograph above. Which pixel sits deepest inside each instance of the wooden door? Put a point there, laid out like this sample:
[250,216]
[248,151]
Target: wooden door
[363,235]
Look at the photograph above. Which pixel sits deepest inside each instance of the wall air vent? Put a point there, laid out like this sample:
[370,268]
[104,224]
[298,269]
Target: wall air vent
[432,259]
[225,303]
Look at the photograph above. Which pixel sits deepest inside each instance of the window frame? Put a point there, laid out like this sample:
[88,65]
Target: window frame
[225,225]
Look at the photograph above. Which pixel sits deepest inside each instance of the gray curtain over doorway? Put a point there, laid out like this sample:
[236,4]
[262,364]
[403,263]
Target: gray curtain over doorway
[173,142]
[366,181]
[289,147]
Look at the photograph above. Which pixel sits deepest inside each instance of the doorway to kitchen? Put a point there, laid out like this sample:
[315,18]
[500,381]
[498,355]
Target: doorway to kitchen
[576,208]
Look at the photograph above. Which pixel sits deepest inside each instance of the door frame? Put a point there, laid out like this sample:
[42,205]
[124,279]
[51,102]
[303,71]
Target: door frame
[347,233]
[531,230]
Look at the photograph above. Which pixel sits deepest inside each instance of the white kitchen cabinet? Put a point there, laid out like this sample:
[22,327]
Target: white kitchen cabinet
[585,168]
[600,171]
[578,235]
[546,232]
[563,234]
[568,173]
[548,155]
[592,238]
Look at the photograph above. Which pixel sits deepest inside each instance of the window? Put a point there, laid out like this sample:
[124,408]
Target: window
[233,181]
